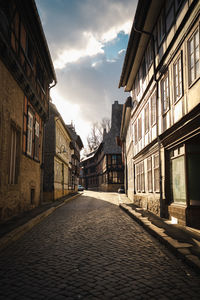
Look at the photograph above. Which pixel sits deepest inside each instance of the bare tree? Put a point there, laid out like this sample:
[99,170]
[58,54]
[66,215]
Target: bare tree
[96,135]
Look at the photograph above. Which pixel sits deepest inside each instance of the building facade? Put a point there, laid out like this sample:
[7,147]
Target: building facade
[58,153]
[26,72]
[161,71]
[103,169]
[76,146]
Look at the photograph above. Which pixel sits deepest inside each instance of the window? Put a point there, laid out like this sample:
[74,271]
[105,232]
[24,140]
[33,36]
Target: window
[165,94]
[169,14]
[139,128]
[146,111]
[140,181]
[156,173]
[37,135]
[161,28]
[149,55]
[137,83]
[178,81]
[30,133]
[14,156]
[135,132]
[193,56]
[177,175]
[40,74]
[29,50]
[149,174]
[114,159]
[153,109]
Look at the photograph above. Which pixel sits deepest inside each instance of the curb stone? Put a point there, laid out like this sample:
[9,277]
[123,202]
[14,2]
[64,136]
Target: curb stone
[18,232]
[182,250]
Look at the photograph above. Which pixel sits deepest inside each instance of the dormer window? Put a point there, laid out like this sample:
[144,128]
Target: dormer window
[40,74]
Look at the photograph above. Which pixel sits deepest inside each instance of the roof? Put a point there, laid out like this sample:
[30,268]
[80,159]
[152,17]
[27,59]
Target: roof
[75,137]
[33,20]
[146,11]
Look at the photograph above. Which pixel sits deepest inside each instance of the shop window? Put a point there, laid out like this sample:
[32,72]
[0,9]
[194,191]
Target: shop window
[178,79]
[193,56]
[178,175]
[165,94]
[14,155]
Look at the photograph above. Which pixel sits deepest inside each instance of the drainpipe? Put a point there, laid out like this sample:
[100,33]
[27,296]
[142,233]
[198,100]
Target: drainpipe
[162,214]
[43,148]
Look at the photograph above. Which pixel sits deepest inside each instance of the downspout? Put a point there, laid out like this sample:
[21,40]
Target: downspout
[43,149]
[162,214]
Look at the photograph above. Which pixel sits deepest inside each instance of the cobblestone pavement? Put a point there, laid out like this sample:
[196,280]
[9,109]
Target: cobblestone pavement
[90,249]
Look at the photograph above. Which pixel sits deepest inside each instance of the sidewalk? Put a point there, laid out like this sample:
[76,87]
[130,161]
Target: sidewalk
[182,240]
[13,229]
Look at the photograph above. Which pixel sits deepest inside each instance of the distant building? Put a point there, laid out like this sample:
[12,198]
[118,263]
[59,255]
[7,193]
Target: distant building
[76,146]
[160,130]
[26,72]
[57,157]
[103,168]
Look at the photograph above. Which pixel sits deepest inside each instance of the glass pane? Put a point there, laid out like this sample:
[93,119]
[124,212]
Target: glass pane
[178,180]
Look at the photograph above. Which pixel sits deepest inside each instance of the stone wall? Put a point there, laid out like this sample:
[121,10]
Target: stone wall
[15,198]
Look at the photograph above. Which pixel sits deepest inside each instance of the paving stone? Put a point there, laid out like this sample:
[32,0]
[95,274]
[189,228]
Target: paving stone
[90,249]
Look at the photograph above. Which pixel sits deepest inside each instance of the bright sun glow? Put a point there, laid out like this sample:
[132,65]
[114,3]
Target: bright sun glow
[93,47]
[71,113]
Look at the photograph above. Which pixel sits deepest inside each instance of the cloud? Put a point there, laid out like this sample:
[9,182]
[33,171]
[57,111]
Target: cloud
[87,41]
[72,26]
[92,48]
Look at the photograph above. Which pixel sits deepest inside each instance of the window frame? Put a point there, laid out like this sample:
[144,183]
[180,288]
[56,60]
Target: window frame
[180,83]
[36,140]
[146,118]
[149,172]
[155,168]
[196,76]
[153,98]
[14,155]
[165,89]
[29,147]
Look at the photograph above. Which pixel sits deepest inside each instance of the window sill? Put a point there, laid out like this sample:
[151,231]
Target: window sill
[178,99]
[193,83]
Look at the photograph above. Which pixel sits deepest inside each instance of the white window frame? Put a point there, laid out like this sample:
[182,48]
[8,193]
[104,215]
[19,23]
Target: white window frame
[156,168]
[149,174]
[153,109]
[178,79]
[37,136]
[165,96]
[196,49]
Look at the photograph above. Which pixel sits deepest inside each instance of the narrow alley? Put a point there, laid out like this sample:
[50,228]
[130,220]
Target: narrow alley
[90,249]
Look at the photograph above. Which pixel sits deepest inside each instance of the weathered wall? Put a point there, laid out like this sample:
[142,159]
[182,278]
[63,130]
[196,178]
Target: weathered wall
[14,198]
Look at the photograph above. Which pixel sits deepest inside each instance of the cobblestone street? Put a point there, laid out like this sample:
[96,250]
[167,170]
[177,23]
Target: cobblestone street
[90,249]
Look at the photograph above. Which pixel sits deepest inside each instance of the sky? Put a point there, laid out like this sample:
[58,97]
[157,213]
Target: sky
[87,40]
